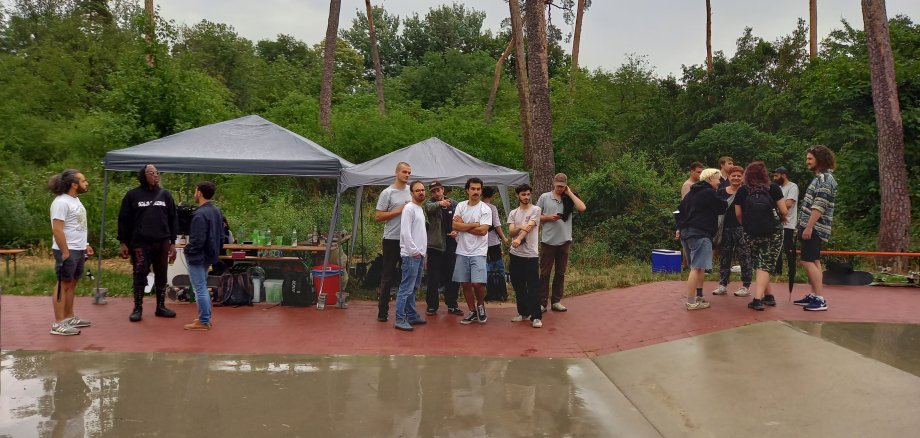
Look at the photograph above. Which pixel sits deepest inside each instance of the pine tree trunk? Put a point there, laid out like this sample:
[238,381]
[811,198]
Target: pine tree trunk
[576,44]
[542,128]
[523,84]
[894,228]
[375,55]
[150,32]
[325,91]
[813,29]
[708,37]
[496,79]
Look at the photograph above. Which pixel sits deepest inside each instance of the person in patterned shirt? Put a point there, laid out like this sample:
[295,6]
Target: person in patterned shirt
[815,218]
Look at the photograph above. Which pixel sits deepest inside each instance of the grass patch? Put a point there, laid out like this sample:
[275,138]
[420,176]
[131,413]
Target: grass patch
[35,277]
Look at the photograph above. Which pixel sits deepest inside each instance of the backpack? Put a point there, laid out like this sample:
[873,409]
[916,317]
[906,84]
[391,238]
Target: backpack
[374,272]
[235,289]
[496,289]
[759,214]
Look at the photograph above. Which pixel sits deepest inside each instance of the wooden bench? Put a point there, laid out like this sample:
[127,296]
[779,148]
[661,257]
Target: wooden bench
[10,254]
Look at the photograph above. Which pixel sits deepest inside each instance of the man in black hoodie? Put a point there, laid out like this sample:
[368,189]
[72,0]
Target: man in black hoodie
[147,226]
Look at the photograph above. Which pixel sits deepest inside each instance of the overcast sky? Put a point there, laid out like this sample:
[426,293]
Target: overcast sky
[670,33]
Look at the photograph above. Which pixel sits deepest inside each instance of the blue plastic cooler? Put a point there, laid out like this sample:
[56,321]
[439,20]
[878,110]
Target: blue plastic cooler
[665,260]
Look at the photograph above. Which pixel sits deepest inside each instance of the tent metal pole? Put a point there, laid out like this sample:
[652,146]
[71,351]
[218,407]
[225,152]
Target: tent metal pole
[356,217]
[105,197]
[321,301]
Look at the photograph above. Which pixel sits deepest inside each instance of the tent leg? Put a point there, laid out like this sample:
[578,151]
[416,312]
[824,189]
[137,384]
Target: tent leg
[340,298]
[99,295]
[356,218]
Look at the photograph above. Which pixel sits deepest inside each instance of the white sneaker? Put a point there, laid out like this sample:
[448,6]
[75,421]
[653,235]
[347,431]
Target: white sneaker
[742,292]
[542,309]
[537,323]
[736,269]
[721,290]
[519,318]
[559,307]
[698,305]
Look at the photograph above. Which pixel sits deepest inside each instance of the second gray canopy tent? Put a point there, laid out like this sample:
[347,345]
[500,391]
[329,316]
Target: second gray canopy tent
[431,159]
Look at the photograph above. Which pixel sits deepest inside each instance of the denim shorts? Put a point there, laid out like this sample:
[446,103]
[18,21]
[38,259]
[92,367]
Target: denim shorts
[698,247]
[70,269]
[470,269]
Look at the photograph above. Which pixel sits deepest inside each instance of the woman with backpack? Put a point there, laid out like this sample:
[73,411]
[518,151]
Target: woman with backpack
[760,209]
[732,239]
[697,223]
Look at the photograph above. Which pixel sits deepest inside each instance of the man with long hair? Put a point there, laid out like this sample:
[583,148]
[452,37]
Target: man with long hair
[70,247]
[147,229]
[815,218]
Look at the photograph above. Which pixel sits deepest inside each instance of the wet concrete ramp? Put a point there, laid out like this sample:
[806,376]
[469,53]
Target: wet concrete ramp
[766,379]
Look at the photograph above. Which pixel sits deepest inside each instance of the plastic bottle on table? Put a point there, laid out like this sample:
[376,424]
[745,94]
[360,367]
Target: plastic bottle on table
[294,237]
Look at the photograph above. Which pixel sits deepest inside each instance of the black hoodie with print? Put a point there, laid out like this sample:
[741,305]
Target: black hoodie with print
[147,215]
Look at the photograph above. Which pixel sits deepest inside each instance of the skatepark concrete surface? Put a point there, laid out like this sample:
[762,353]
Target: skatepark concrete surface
[757,377]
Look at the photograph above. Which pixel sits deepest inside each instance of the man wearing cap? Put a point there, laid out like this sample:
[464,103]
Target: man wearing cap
[557,209]
[389,209]
[791,196]
[442,251]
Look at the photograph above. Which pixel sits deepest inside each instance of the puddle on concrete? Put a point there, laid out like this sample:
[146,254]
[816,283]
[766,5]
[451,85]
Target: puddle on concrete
[179,394]
[897,345]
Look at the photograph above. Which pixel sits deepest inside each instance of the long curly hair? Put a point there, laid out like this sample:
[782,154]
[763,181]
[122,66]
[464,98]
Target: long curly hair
[824,157]
[756,177]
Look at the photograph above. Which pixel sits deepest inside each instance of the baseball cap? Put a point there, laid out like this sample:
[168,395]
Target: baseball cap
[435,184]
[781,169]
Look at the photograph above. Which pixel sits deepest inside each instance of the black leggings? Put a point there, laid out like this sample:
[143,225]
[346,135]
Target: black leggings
[155,254]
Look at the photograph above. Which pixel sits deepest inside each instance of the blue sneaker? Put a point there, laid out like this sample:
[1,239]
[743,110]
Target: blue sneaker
[816,304]
[417,321]
[805,301]
[403,325]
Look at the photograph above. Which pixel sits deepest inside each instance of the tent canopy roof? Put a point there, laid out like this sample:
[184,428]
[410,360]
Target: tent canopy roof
[431,159]
[248,145]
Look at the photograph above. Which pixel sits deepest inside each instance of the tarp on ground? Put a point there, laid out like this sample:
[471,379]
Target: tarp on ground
[431,159]
[248,145]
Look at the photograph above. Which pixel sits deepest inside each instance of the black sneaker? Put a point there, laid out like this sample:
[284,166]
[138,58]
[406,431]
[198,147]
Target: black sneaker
[481,309]
[473,316]
[431,311]
[769,300]
[454,311]
[756,304]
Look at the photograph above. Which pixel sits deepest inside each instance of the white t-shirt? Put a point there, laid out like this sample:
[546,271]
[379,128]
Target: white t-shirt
[70,210]
[413,237]
[519,218]
[469,244]
[791,191]
[389,199]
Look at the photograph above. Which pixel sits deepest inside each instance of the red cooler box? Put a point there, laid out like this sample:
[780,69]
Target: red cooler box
[331,279]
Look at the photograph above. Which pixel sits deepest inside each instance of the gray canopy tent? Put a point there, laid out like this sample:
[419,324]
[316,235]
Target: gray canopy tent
[431,159]
[248,145]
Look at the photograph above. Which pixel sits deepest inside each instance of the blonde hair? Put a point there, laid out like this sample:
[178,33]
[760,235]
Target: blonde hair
[709,173]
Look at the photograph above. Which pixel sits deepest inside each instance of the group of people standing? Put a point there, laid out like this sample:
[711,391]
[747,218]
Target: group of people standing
[454,238]
[147,229]
[747,216]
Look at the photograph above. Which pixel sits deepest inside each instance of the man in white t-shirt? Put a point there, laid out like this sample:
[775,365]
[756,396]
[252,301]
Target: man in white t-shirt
[472,220]
[524,261]
[389,208]
[70,247]
[791,196]
[413,244]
